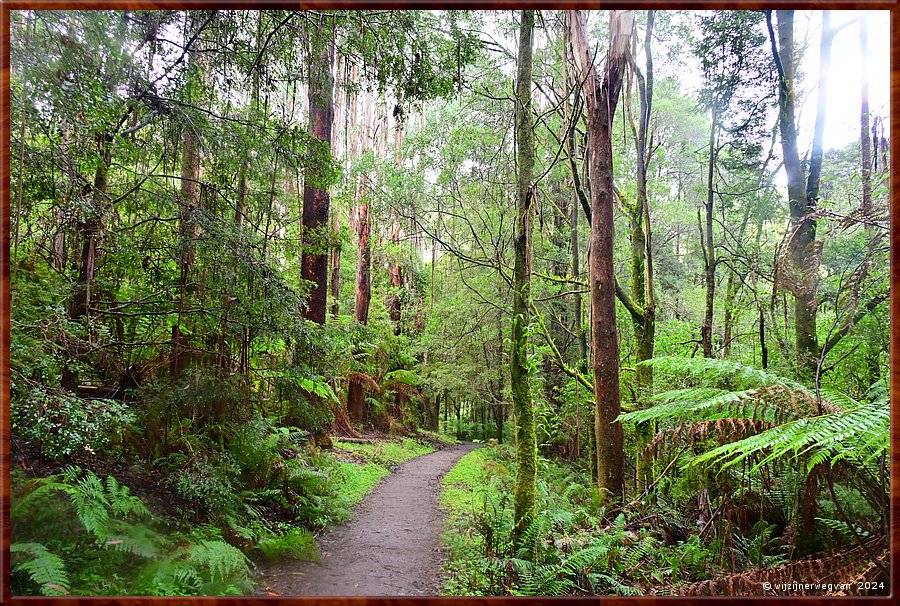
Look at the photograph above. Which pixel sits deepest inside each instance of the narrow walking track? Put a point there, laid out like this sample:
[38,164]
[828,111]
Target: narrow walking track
[390,547]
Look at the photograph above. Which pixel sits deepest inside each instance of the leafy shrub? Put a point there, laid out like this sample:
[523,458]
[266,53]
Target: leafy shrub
[62,424]
[206,480]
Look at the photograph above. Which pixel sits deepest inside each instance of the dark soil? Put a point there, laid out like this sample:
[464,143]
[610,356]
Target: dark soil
[391,546]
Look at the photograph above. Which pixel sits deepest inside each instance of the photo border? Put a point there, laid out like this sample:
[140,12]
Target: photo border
[10,5]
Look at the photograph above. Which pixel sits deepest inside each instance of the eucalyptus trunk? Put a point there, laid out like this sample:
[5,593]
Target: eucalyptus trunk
[526,441]
[601,97]
[316,201]
[804,251]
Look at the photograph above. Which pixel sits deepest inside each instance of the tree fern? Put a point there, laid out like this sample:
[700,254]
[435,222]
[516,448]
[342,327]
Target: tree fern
[858,436]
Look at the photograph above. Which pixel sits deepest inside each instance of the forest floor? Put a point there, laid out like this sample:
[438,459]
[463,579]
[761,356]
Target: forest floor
[390,547]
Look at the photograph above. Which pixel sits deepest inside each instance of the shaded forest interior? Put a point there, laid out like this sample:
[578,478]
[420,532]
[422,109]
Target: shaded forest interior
[260,258]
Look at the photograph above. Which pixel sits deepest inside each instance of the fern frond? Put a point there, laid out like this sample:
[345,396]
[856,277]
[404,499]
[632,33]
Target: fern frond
[223,561]
[42,566]
[836,567]
[725,430]
[136,539]
[856,435]
[365,380]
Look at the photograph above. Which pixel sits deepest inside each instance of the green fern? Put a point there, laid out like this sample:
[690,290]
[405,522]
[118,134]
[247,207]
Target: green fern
[298,543]
[204,568]
[858,436]
[42,566]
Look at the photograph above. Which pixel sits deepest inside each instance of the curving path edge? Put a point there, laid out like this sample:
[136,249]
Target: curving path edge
[390,547]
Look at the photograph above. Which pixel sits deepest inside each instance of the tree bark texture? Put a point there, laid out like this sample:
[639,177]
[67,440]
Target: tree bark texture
[601,97]
[709,247]
[314,260]
[526,441]
[804,251]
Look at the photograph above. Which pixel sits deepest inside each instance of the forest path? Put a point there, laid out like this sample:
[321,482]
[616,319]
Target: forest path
[390,547]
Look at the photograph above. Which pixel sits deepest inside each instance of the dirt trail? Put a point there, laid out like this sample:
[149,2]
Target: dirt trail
[390,547]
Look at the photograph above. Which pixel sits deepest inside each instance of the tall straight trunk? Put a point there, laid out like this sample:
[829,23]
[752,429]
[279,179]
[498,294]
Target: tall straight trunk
[364,254]
[526,441]
[644,320]
[336,268]
[601,97]
[314,260]
[338,143]
[396,279]
[577,304]
[865,140]
[803,249]
[363,265]
[356,405]
[394,269]
[187,229]
[641,257]
[709,248]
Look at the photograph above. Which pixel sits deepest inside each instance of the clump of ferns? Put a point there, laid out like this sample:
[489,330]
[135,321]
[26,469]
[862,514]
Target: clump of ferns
[760,422]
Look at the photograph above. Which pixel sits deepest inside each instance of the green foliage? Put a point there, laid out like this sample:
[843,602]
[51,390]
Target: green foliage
[138,559]
[62,424]
[353,482]
[44,568]
[202,568]
[296,543]
[859,436]
[387,452]
[563,551]
[848,431]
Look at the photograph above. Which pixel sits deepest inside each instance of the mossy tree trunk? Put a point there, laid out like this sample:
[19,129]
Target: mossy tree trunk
[526,442]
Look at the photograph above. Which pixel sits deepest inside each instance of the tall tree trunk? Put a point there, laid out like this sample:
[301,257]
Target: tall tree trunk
[394,269]
[644,322]
[641,258]
[187,229]
[577,304]
[336,269]
[90,229]
[601,97]
[356,404]
[709,248]
[526,441]
[803,249]
[314,261]
[396,279]
[865,140]
[804,252]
